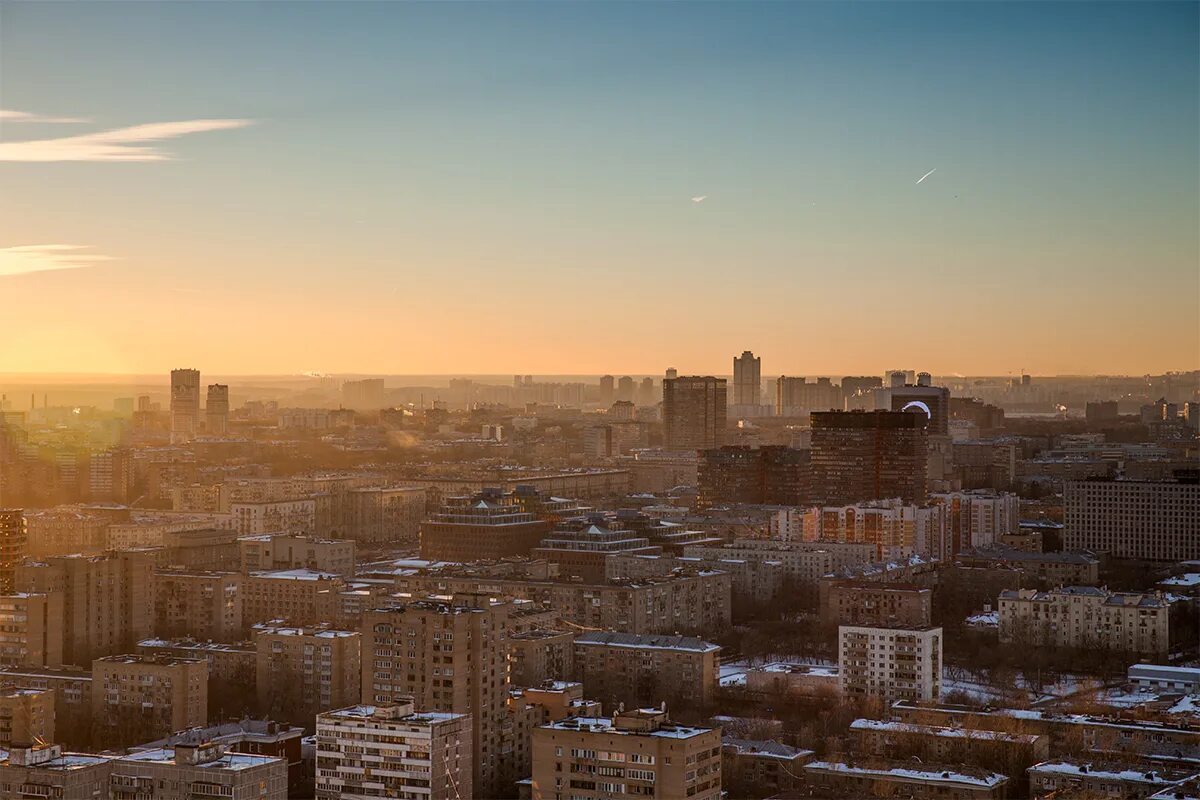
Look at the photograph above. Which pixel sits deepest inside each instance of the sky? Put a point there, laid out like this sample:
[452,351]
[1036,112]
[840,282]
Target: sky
[571,188]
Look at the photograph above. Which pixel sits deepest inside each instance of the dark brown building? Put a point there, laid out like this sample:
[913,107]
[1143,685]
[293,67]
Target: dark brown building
[490,525]
[868,455]
[694,413]
[772,475]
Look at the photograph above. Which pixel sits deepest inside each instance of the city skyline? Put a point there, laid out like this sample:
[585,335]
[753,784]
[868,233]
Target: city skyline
[440,189]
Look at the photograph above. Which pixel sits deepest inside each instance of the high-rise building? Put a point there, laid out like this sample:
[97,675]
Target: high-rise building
[13,545]
[205,605]
[448,655]
[632,754]
[1150,520]
[625,389]
[671,373]
[32,630]
[185,404]
[645,395]
[645,670]
[141,698]
[694,413]
[892,663]
[775,475]
[747,380]
[607,390]
[369,751]
[26,716]
[933,402]
[216,410]
[796,396]
[106,600]
[306,671]
[859,456]
[204,770]
[363,395]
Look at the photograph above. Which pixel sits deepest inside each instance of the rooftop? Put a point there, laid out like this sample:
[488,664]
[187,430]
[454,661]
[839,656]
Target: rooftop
[646,641]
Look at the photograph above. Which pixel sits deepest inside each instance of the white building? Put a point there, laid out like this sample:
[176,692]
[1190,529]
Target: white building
[392,751]
[891,663]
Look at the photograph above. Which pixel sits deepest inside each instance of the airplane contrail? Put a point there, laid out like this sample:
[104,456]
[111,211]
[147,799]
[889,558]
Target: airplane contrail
[926,175]
[700,199]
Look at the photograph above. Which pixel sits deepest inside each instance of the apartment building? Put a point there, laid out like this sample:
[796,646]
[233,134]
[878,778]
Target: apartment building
[66,529]
[905,779]
[1152,520]
[72,691]
[638,753]
[45,771]
[301,596]
[26,717]
[858,456]
[1087,617]
[892,663]
[384,514]
[138,698]
[304,671]
[202,605]
[273,552]
[186,771]
[31,631]
[977,518]
[445,654]
[893,527]
[691,601]
[1000,751]
[295,516]
[14,544]
[1071,569]
[368,751]
[646,669]
[230,662]
[540,655]
[752,768]
[106,600]
[1070,777]
[803,566]
[255,737]
[856,602]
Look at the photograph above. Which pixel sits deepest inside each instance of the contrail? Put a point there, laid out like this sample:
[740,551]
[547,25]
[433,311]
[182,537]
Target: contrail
[700,199]
[926,175]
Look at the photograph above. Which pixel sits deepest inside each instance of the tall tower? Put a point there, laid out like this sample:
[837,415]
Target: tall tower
[13,545]
[747,380]
[185,404]
[694,413]
[216,410]
[607,390]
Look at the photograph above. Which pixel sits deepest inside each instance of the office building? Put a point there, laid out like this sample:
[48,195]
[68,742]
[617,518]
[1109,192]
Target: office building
[216,410]
[892,663]
[1087,617]
[489,525]
[874,455]
[581,548]
[449,655]
[694,413]
[630,754]
[139,698]
[644,670]
[369,751]
[1149,520]
[771,475]
[185,404]
[304,671]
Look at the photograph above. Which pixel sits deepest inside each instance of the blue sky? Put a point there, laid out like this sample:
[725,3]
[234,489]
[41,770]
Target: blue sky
[507,186]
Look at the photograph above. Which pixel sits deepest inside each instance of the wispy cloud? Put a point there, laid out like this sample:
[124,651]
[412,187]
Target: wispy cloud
[120,144]
[44,257]
[9,115]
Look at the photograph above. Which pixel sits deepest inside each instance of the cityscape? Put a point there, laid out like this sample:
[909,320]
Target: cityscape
[599,401]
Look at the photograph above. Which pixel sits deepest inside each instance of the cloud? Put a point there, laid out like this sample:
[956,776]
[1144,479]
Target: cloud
[44,257]
[8,115]
[120,144]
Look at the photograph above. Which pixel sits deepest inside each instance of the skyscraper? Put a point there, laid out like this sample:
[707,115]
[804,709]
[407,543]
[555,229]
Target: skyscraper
[216,409]
[607,390]
[13,544]
[185,404]
[625,389]
[694,412]
[868,455]
[747,380]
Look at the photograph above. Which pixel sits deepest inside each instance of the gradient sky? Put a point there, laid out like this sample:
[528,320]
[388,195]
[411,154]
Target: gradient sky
[437,188]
